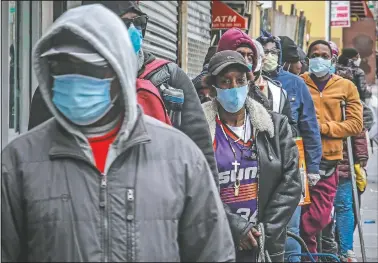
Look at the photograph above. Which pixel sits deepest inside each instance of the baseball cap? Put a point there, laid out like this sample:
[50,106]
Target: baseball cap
[82,53]
[71,44]
[226,58]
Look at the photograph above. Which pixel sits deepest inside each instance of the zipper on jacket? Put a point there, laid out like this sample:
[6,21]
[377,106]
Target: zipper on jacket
[258,178]
[321,107]
[103,206]
[129,223]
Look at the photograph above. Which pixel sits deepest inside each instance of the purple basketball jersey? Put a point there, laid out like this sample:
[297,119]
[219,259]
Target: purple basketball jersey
[245,204]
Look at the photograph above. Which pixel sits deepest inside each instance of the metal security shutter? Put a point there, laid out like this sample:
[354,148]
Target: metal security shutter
[161,33]
[199,23]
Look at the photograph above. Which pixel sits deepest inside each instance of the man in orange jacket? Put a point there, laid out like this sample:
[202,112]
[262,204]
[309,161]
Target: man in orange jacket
[327,91]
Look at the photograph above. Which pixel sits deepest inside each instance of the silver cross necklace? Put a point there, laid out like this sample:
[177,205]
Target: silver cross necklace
[235,163]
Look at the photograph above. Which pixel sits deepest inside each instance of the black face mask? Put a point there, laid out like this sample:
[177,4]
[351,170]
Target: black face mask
[204,98]
[257,75]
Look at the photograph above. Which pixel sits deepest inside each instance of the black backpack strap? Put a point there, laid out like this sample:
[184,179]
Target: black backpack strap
[159,76]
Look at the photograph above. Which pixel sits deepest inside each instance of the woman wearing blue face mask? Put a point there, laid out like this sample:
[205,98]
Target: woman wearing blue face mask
[256,158]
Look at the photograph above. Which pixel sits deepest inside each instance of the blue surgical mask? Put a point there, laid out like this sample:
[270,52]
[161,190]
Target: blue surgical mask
[332,70]
[81,99]
[136,37]
[250,66]
[320,66]
[232,100]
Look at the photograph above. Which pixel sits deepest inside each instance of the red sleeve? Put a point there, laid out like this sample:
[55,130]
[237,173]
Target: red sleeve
[360,147]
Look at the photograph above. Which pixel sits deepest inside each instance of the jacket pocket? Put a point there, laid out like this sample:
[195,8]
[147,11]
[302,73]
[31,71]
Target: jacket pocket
[51,209]
[332,147]
[294,105]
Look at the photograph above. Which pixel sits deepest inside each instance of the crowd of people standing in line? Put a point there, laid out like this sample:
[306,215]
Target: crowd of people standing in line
[127,159]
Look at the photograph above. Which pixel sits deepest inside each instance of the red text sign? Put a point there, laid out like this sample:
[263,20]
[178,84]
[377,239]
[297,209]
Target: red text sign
[224,17]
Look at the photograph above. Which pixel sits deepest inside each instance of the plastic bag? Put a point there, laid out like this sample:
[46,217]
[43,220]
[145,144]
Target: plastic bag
[361,179]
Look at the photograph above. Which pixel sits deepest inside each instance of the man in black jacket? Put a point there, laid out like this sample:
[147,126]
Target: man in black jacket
[350,58]
[193,120]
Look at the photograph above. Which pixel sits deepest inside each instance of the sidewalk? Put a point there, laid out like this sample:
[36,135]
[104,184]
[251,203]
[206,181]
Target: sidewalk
[369,212]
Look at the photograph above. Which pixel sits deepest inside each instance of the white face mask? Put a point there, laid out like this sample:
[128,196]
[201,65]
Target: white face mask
[357,62]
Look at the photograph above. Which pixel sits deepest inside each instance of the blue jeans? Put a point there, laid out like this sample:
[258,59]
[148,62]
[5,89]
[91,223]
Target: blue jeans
[292,246]
[344,215]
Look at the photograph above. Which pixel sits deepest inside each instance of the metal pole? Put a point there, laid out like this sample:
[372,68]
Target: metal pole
[356,205]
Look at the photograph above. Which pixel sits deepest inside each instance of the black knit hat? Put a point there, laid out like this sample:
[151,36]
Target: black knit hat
[349,52]
[118,7]
[289,50]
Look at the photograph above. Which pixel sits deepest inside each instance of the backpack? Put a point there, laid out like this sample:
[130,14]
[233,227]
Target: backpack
[148,95]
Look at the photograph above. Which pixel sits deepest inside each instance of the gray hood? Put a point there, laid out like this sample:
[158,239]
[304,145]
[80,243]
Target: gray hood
[106,32]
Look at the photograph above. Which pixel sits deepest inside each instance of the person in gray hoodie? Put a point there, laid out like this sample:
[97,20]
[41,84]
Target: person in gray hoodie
[193,122]
[101,181]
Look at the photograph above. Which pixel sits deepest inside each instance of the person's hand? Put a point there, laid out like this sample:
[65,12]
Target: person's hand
[313,179]
[249,240]
[363,163]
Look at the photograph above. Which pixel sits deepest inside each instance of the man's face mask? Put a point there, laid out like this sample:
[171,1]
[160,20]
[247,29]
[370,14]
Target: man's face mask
[136,37]
[135,27]
[81,99]
[232,100]
[204,98]
[271,62]
[257,75]
[357,62]
[319,66]
[81,91]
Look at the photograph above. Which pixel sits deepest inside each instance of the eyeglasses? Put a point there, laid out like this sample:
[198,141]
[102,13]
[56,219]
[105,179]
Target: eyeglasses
[274,51]
[65,66]
[140,22]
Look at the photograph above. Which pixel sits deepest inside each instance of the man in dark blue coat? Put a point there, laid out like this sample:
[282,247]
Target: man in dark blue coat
[303,112]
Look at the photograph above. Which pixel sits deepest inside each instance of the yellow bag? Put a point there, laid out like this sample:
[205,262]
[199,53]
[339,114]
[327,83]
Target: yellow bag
[360,177]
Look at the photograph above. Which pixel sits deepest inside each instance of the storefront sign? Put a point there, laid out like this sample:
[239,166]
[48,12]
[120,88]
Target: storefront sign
[340,14]
[224,17]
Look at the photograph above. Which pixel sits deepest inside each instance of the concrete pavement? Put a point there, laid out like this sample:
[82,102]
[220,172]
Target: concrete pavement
[369,212]
[369,208]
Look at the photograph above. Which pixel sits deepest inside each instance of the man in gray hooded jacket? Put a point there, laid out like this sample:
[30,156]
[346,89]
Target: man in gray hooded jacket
[193,122]
[100,181]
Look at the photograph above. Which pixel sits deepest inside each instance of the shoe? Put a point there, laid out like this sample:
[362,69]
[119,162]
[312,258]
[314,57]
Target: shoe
[349,257]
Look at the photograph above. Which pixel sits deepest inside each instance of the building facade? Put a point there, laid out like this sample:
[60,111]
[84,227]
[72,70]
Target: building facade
[317,12]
